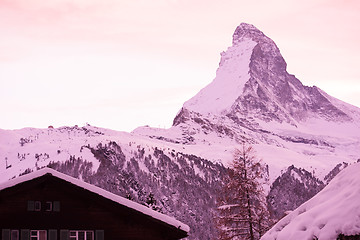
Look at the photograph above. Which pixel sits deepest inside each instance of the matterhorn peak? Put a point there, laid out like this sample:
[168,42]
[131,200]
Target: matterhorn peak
[252,83]
[245,30]
[265,46]
[249,44]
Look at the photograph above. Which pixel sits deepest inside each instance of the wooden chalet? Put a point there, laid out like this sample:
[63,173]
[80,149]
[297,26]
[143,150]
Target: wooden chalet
[343,237]
[48,205]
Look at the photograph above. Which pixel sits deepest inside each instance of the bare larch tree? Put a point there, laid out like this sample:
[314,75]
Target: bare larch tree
[242,211]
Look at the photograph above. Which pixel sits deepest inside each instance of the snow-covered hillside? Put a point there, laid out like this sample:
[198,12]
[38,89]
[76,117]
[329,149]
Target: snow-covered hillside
[31,148]
[333,211]
[165,176]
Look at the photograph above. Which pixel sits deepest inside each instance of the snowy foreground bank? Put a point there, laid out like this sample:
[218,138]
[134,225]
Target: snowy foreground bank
[334,210]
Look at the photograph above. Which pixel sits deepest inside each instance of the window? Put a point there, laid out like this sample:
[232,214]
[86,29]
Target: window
[99,234]
[38,235]
[52,234]
[8,234]
[64,234]
[14,234]
[25,234]
[81,235]
[56,206]
[31,206]
[5,234]
[48,206]
[37,206]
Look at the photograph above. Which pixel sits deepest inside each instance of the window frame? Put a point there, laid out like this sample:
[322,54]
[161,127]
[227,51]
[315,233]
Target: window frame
[37,237]
[76,234]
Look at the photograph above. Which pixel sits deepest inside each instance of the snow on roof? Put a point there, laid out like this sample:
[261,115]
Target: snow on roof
[123,201]
[334,210]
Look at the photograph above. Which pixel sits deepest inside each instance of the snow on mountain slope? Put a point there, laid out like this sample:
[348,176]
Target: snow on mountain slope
[333,211]
[229,83]
[29,148]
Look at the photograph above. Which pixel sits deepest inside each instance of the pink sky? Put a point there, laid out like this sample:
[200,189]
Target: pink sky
[122,64]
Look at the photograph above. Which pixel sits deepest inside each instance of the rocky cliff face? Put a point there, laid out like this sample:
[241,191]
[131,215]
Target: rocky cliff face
[272,94]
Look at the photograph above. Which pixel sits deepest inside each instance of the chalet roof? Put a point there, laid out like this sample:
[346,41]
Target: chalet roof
[116,198]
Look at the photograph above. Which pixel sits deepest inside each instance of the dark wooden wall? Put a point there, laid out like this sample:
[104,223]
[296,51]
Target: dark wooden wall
[79,210]
[343,237]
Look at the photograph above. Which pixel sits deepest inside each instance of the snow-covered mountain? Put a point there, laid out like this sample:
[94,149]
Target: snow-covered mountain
[253,98]
[252,83]
[179,170]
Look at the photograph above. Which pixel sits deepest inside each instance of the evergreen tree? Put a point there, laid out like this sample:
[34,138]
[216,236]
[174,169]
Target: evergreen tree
[242,211]
[151,203]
